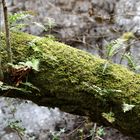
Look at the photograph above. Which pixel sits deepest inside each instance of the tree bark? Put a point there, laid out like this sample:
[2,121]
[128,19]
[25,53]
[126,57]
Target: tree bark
[77,82]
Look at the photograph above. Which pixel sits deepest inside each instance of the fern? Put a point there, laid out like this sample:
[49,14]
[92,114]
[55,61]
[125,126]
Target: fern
[16,19]
[4,87]
[30,85]
[130,61]
[48,25]
[41,26]
[114,47]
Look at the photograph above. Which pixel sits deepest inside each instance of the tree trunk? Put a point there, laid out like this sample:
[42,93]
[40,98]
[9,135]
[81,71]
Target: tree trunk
[77,82]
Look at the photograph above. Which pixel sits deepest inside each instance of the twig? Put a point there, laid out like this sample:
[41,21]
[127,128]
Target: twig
[75,129]
[8,45]
[1,72]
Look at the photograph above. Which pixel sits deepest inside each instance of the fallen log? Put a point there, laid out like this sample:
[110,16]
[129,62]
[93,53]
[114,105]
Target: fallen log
[78,82]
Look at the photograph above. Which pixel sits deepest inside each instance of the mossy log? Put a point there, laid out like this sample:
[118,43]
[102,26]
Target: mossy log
[79,83]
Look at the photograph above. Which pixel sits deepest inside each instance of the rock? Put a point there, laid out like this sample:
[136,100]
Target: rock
[85,24]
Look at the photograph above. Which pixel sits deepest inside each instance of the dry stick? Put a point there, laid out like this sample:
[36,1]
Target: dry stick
[1,72]
[8,45]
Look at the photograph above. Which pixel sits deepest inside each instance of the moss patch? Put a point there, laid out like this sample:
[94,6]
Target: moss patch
[74,76]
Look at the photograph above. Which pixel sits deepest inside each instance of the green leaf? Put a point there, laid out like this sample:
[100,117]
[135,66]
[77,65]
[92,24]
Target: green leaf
[130,60]
[17,27]
[105,67]
[18,66]
[127,107]
[50,23]
[109,116]
[8,87]
[1,83]
[31,86]
[27,63]
[127,36]
[33,45]
[137,68]
[16,19]
[113,47]
[40,25]
[35,64]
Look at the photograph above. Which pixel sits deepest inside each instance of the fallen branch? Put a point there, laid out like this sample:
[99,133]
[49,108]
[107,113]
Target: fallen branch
[76,82]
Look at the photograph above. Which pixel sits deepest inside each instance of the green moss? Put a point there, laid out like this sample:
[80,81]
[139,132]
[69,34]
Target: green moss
[77,76]
[63,66]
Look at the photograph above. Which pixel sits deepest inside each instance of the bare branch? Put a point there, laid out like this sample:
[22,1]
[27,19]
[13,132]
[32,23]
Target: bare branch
[8,45]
